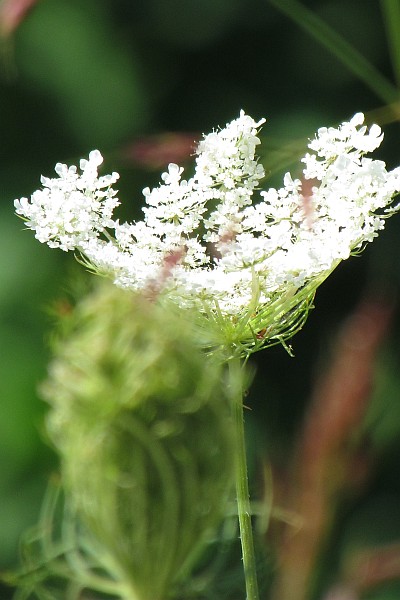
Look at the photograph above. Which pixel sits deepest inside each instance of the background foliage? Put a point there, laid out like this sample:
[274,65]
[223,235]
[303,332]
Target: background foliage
[140,80]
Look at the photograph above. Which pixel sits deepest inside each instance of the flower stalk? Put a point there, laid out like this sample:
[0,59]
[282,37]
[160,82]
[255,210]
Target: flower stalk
[241,483]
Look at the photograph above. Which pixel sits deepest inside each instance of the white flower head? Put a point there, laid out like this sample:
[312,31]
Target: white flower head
[72,209]
[250,267]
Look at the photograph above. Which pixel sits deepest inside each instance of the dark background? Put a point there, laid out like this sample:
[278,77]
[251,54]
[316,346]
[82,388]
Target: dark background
[118,74]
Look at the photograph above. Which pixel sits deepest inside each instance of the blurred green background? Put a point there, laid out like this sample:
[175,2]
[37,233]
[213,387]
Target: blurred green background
[119,75]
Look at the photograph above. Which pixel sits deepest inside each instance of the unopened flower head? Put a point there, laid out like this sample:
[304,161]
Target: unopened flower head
[146,450]
[251,267]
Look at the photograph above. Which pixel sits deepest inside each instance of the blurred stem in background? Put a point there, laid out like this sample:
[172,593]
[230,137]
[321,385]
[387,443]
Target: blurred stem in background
[349,56]
[329,459]
[391,18]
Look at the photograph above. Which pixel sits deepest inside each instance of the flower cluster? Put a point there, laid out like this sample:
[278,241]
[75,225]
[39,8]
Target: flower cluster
[71,210]
[250,267]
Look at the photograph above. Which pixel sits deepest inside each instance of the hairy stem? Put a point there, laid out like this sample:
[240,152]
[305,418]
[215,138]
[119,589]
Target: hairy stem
[242,486]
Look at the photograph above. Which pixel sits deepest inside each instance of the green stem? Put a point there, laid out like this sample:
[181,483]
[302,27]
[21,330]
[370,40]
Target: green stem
[242,486]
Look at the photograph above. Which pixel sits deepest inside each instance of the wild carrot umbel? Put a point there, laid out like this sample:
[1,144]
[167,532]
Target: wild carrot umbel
[241,274]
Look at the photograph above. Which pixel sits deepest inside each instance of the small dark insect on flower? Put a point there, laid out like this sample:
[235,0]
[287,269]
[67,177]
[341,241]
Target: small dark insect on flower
[261,334]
